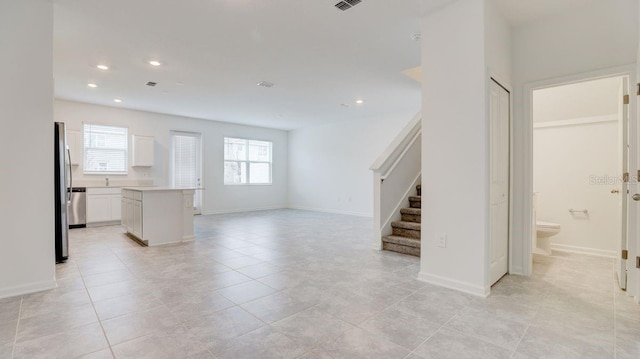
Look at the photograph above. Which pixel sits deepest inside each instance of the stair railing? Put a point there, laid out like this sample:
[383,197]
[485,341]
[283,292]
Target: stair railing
[396,172]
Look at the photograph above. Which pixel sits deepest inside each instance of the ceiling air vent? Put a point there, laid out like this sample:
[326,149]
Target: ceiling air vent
[347,4]
[266,84]
[151,83]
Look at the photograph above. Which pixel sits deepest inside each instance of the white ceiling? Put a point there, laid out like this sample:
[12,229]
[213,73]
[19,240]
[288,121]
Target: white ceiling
[215,51]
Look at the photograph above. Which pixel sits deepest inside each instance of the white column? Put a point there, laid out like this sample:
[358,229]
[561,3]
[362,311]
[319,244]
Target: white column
[26,147]
[455,146]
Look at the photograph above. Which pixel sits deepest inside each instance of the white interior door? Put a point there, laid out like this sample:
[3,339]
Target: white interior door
[186,164]
[499,110]
[623,111]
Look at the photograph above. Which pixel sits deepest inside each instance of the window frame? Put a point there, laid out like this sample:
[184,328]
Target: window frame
[85,171]
[247,161]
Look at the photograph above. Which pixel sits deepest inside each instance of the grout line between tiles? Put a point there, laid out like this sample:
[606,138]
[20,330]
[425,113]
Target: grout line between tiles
[431,336]
[97,316]
[15,337]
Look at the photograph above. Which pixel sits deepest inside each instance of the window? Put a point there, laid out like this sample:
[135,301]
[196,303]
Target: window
[247,161]
[105,149]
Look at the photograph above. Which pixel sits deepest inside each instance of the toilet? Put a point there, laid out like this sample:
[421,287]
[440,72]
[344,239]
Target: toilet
[543,232]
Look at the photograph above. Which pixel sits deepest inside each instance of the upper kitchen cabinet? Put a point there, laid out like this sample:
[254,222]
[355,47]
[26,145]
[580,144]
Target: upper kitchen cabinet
[143,151]
[74,142]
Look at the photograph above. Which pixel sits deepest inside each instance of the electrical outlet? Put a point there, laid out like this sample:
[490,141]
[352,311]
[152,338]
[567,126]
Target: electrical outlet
[442,240]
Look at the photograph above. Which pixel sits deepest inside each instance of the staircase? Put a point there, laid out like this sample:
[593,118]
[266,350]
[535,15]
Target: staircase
[405,237]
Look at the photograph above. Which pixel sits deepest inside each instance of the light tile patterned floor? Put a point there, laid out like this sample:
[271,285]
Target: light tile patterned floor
[297,284]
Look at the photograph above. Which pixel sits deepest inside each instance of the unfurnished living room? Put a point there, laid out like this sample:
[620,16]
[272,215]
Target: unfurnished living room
[320,179]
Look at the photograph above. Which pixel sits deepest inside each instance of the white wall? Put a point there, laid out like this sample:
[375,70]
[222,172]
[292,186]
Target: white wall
[600,36]
[455,160]
[217,197]
[585,99]
[329,163]
[26,145]
[498,44]
[573,167]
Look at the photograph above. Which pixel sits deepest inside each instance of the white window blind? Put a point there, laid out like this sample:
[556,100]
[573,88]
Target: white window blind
[247,161]
[105,149]
[185,173]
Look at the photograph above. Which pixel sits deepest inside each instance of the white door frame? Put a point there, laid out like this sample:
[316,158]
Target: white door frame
[525,232]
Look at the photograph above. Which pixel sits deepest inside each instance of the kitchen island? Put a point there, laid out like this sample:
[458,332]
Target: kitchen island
[158,215]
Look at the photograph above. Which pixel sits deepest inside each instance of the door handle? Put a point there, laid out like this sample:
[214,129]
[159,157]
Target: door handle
[636,197]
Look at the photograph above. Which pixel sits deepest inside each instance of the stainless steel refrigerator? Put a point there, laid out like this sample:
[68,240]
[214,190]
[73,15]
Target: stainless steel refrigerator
[62,191]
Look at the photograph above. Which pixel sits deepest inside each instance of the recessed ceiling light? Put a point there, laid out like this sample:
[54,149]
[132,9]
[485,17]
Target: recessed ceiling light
[154,63]
[359,102]
[103,67]
[92,85]
[117,100]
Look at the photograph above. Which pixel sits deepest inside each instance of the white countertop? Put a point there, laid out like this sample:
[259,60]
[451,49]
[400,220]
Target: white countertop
[159,188]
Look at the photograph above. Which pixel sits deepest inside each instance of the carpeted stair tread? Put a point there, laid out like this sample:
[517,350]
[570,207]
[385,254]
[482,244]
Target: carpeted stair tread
[404,241]
[399,248]
[413,211]
[415,201]
[406,225]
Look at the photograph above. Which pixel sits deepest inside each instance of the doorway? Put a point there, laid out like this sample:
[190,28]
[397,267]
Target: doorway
[186,164]
[580,153]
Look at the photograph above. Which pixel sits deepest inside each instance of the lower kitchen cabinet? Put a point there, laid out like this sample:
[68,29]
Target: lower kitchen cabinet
[103,206]
[158,215]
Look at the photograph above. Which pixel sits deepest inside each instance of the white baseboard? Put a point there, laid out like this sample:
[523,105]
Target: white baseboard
[27,288]
[206,213]
[103,224]
[454,284]
[582,250]
[315,209]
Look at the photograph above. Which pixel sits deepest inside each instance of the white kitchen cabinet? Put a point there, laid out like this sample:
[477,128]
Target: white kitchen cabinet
[116,208]
[158,215]
[103,206]
[142,151]
[125,210]
[74,142]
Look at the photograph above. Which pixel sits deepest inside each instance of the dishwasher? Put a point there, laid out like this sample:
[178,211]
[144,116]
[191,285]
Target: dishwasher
[77,210]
